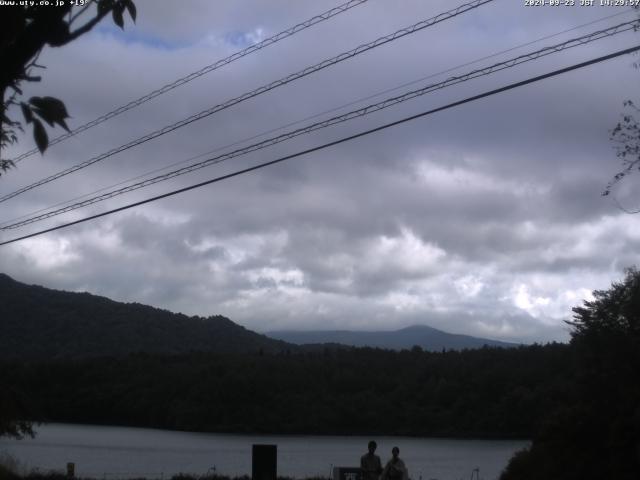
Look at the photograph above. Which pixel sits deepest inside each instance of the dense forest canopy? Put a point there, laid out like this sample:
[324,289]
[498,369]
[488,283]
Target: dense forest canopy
[489,392]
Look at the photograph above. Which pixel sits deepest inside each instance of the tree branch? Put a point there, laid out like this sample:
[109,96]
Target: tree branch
[86,27]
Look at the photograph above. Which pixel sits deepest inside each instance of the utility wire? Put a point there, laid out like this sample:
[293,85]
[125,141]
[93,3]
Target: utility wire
[335,142]
[265,88]
[316,115]
[591,37]
[203,71]
[616,201]
[621,207]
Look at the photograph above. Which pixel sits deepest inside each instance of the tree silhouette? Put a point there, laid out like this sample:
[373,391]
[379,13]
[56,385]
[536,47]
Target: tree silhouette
[24,31]
[597,433]
[14,410]
[626,138]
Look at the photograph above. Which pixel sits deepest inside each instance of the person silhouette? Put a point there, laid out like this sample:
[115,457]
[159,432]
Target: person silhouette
[370,463]
[395,468]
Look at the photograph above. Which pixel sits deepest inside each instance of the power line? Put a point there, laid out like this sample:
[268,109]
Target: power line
[203,71]
[316,115]
[265,88]
[597,35]
[335,142]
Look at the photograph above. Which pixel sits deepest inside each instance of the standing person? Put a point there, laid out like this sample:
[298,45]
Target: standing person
[395,468]
[370,463]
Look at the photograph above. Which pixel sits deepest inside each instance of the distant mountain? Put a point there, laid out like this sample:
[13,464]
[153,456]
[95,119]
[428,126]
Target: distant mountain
[40,323]
[427,338]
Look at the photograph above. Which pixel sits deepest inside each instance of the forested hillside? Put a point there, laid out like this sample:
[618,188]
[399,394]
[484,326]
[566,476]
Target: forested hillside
[40,323]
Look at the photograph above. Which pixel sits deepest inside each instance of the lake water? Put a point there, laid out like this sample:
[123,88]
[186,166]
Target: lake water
[123,452]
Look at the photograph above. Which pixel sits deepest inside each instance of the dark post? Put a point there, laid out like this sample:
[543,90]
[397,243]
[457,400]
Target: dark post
[71,469]
[264,462]
[347,473]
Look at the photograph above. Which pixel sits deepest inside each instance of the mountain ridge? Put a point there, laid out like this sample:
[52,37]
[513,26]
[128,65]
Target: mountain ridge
[424,336]
[41,323]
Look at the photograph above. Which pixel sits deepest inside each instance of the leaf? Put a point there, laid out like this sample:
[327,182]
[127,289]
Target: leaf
[118,17]
[131,8]
[51,110]
[40,135]
[104,6]
[26,111]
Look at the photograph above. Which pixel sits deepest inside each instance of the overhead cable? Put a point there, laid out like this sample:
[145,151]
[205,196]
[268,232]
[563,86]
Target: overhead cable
[389,102]
[311,117]
[203,71]
[265,88]
[335,142]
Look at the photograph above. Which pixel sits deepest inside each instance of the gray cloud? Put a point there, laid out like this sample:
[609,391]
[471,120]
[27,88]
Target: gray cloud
[485,219]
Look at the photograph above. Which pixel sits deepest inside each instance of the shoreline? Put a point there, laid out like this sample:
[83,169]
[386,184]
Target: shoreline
[284,435]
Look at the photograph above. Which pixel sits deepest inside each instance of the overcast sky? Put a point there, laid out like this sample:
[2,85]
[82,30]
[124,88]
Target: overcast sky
[485,219]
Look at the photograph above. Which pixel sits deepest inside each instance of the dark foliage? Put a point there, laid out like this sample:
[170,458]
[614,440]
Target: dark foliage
[7,474]
[597,434]
[489,392]
[15,408]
